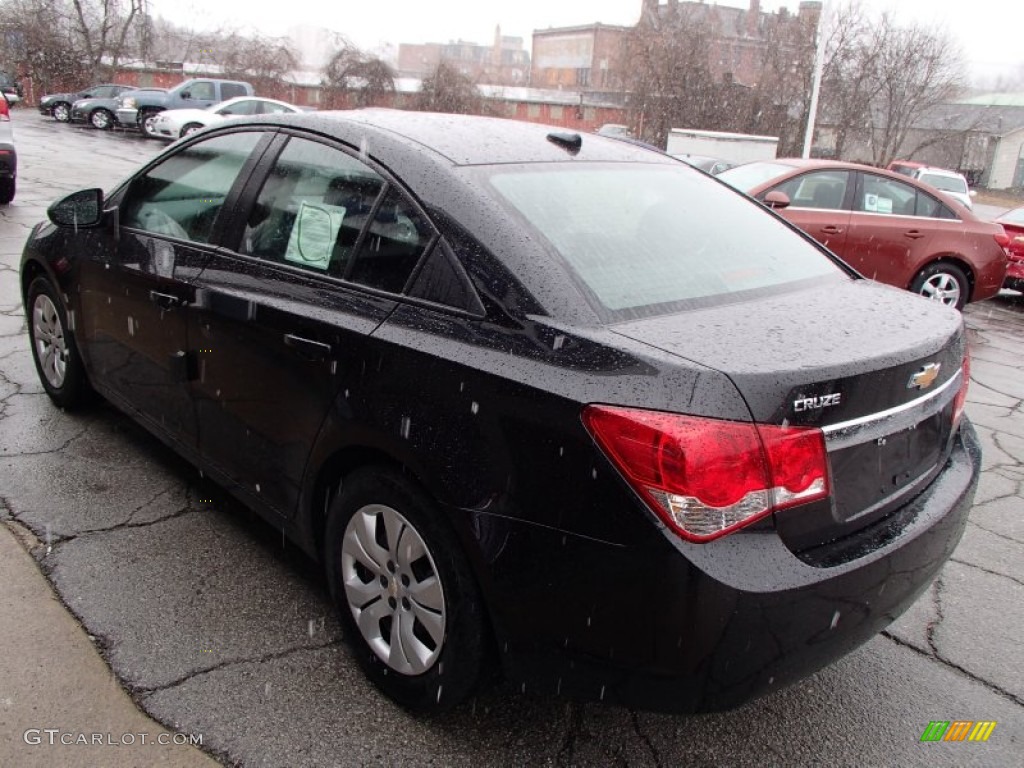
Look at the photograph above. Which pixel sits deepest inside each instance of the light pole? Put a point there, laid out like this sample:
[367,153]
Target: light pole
[819,65]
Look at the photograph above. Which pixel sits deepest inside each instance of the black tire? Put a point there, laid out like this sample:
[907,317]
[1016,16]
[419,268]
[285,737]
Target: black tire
[8,187]
[945,282]
[54,348]
[61,112]
[102,119]
[146,118]
[189,128]
[453,666]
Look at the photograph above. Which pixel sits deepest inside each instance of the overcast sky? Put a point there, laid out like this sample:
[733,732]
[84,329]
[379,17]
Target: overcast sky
[990,31]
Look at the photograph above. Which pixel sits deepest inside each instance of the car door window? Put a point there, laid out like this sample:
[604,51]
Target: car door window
[270,108]
[818,189]
[231,90]
[247,107]
[181,196]
[202,91]
[398,236]
[312,207]
[886,196]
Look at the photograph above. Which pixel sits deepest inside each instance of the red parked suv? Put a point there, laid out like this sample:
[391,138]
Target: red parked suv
[888,227]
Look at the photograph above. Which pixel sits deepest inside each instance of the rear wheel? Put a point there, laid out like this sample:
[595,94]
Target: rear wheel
[190,128]
[406,597]
[53,348]
[7,187]
[943,282]
[101,119]
[61,112]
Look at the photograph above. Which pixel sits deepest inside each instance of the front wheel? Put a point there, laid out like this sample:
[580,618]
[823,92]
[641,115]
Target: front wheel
[61,112]
[943,282]
[147,122]
[407,600]
[101,119]
[54,350]
[189,129]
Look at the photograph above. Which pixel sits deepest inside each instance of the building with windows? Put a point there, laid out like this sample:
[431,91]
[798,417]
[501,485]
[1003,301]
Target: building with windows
[504,62]
[586,57]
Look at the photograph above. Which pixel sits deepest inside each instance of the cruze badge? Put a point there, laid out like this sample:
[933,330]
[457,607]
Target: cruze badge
[814,403]
[925,377]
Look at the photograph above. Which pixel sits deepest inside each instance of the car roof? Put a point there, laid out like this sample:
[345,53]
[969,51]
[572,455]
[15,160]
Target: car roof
[469,139]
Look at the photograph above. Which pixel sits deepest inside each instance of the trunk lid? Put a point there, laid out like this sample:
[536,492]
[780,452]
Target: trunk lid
[874,368]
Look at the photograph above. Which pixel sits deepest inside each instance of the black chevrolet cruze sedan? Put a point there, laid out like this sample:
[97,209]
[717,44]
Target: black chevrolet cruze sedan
[539,402]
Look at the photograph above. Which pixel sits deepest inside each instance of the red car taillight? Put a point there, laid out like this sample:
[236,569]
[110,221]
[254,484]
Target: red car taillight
[706,477]
[1003,240]
[5,112]
[960,401]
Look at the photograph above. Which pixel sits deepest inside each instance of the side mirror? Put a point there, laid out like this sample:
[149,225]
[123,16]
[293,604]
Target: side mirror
[186,94]
[777,199]
[79,209]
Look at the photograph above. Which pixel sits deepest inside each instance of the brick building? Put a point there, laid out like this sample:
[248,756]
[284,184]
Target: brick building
[586,57]
[503,62]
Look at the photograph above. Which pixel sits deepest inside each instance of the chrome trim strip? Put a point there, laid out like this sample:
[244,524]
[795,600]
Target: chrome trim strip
[889,413]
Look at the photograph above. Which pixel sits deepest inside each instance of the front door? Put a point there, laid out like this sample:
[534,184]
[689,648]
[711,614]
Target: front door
[819,206]
[134,322]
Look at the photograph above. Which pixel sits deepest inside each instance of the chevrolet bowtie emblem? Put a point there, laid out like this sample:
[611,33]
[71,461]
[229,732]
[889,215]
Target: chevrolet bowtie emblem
[925,377]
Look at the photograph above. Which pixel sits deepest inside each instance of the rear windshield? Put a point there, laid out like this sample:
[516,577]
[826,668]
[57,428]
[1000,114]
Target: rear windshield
[645,236]
[945,183]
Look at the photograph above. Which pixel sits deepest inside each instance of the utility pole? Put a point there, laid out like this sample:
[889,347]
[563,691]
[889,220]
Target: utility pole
[819,65]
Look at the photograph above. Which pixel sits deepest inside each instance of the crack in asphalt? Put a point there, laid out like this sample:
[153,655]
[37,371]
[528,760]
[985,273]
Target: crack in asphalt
[954,666]
[69,441]
[933,625]
[144,691]
[995,533]
[987,570]
[60,541]
[655,756]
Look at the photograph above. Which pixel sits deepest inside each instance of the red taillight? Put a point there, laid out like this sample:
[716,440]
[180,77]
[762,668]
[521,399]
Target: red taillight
[960,401]
[5,112]
[706,477]
[1002,239]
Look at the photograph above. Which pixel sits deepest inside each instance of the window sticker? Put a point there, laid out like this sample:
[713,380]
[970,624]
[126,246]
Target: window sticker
[884,205]
[870,202]
[314,234]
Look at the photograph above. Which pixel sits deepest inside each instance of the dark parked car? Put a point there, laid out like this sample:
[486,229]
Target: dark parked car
[8,154]
[99,111]
[1013,223]
[886,226]
[533,398]
[58,105]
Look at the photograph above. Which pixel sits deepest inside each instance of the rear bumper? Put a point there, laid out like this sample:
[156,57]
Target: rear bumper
[683,627]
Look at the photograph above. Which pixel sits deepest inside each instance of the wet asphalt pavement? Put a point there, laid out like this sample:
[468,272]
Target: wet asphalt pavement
[215,626]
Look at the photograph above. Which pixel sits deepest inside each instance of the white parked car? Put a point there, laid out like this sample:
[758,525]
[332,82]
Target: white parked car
[950,182]
[175,123]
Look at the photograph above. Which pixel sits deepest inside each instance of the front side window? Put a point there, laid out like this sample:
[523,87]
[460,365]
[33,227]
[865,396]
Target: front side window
[182,196]
[819,189]
[644,239]
[312,207]
[202,90]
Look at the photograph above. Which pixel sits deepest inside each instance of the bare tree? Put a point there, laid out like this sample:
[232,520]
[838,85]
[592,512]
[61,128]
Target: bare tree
[916,69]
[263,61]
[367,78]
[448,90]
[68,43]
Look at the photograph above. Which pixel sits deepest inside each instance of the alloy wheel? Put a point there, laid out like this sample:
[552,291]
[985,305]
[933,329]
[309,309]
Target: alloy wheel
[61,113]
[48,337]
[393,589]
[942,287]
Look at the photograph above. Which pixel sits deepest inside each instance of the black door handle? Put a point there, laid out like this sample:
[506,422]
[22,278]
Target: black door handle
[832,229]
[308,348]
[165,300]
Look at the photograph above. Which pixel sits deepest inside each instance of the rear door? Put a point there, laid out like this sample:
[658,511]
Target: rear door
[819,205]
[890,230]
[283,320]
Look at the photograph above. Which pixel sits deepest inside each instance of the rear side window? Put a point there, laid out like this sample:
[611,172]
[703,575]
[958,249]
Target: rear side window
[231,90]
[312,208]
[638,236]
[887,196]
[182,196]
[398,236]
